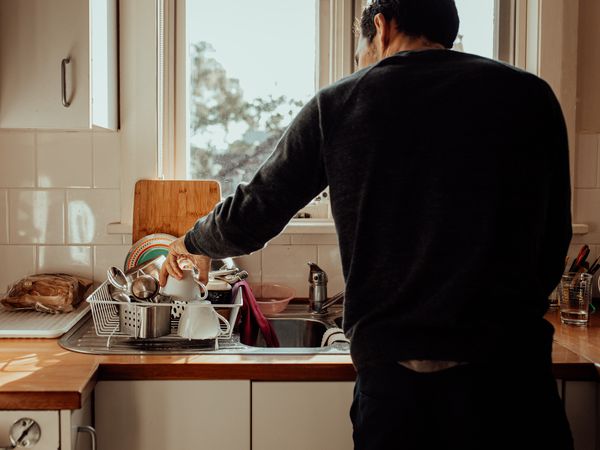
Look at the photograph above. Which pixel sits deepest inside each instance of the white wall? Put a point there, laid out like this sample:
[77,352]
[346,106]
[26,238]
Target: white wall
[58,192]
[587,170]
[586,194]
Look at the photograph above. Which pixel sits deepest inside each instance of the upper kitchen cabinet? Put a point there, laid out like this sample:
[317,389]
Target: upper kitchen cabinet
[58,64]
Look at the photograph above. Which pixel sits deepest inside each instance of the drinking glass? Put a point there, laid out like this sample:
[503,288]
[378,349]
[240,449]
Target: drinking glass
[574,298]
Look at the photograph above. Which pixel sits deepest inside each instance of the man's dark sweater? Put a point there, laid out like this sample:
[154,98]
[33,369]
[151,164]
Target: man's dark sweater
[449,183]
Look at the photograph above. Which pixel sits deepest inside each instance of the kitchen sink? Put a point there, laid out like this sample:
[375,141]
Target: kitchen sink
[296,332]
[338,321]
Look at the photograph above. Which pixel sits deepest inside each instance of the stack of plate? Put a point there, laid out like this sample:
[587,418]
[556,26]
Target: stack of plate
[148,248]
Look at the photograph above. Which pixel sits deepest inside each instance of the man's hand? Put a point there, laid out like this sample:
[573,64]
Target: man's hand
[177,250]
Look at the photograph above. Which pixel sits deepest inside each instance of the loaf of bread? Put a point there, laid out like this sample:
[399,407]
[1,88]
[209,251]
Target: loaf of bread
[49,293]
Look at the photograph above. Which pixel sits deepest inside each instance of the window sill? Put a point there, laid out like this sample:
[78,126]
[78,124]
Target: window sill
[310,226]
[296,226]
[580,228]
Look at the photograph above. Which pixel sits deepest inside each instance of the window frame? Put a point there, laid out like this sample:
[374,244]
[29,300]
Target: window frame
[148,138]
[335,42]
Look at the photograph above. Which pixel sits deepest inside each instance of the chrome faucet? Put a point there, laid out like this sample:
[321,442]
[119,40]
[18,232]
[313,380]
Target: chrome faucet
[317,290]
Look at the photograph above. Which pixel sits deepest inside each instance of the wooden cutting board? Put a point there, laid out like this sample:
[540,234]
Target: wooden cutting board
[171,206]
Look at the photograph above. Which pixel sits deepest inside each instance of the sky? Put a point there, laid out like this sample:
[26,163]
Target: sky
[477,26]
[269,45]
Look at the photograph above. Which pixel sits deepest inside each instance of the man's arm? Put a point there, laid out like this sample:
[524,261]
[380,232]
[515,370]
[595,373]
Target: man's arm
[259,210]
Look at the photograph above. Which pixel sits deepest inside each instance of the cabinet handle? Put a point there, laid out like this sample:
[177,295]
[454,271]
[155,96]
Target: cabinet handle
[63,80]
[91,431]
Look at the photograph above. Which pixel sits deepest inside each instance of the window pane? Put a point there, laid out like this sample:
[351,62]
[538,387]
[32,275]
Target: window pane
[252,67]
[476,27]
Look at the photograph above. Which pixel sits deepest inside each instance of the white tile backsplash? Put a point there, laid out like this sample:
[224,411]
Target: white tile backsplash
[282,239]
[329,260]
[3,216]
[107,160]
[252,264]
[314,239]
[587,210]
[59,190]
[17,159]
[89,211]
[18,261]
[574,251]
[586,163]
[60,160]
[287,264]
[36,217]
[64,159]
[106,256]
[74,260]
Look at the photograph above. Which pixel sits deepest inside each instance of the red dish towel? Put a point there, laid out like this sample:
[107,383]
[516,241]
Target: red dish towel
[252,319]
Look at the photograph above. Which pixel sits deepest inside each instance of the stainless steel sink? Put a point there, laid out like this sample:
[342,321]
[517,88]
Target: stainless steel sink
[298,331]
[338,321]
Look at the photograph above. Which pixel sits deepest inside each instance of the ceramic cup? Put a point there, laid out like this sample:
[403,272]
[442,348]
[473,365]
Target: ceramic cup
[199,320]
[189,287]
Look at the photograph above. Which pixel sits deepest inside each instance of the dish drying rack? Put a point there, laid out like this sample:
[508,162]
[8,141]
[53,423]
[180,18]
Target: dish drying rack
[119,319]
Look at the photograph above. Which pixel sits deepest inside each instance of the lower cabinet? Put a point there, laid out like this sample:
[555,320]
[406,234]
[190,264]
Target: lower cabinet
[223,415]
[243,415]
[582,400]
[62,430]
[301,415]
[178,415]
[76,428]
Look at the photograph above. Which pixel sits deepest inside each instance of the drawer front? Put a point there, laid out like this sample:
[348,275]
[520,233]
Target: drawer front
[47,420]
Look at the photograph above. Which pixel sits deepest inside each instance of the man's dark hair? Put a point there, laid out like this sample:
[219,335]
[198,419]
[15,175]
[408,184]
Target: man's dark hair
[436,20]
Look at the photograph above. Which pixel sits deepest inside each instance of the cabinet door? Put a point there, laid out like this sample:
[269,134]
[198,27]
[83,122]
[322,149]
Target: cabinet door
[70,421]
[178,415]
[581,405]
[47,420]
[35,36]
[301,415]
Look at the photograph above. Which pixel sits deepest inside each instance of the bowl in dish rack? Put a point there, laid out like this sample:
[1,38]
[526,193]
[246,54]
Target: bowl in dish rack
[148,248]
[272,298]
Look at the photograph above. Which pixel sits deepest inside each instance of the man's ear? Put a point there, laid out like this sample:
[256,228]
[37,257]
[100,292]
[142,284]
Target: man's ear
[382,38]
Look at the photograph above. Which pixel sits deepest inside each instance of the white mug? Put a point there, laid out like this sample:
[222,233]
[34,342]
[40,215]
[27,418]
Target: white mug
[199,320]
[188,288]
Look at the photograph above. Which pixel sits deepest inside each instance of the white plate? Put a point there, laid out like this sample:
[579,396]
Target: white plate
[147,248]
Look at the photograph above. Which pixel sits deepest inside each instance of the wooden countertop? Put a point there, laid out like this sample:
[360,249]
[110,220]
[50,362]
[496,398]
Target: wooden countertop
[583,341]
[39,374]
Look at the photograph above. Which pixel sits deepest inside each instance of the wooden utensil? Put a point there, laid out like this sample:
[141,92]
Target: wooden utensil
[171,206]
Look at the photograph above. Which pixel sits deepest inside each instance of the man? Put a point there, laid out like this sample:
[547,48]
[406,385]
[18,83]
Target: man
[450,191]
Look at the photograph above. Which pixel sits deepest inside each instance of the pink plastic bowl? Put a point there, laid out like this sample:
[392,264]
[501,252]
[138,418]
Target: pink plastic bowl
[272,298]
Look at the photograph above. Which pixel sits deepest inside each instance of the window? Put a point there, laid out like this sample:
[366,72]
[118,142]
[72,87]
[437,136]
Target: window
[477,27]
[249,66]
[249,75]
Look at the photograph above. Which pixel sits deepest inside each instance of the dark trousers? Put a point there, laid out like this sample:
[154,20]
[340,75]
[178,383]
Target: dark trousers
[505,405]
